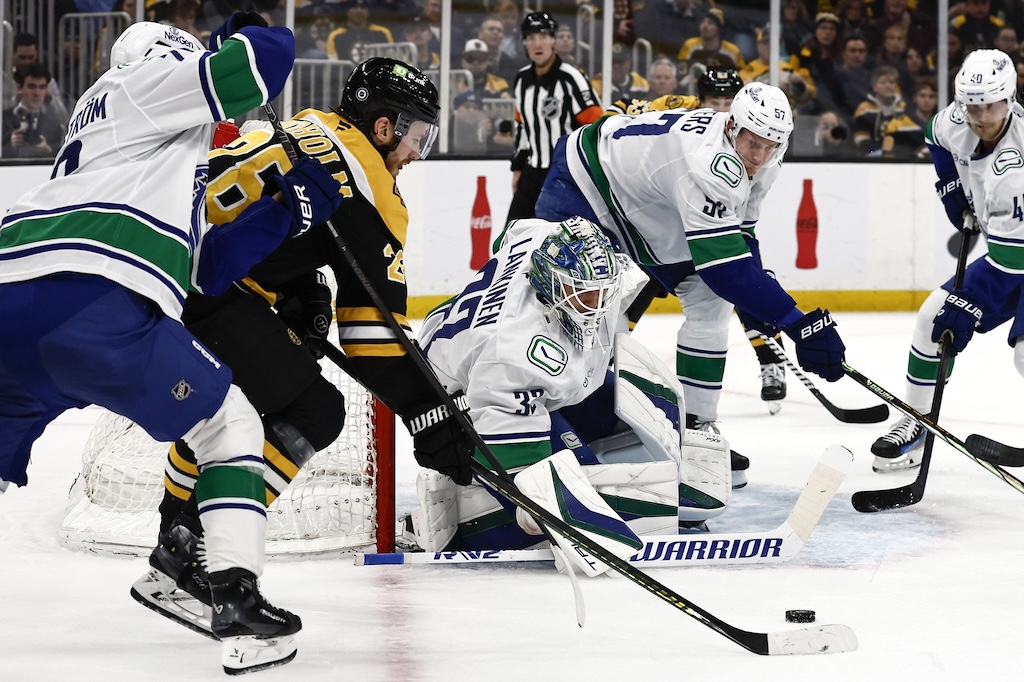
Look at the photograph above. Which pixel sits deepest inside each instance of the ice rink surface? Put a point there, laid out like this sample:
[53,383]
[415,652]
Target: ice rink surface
[933,592]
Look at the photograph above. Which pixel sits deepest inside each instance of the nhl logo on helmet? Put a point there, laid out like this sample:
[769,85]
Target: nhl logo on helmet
[362,94]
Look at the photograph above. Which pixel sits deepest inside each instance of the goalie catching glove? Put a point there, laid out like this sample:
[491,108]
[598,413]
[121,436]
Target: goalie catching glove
[439,442]
[309,191]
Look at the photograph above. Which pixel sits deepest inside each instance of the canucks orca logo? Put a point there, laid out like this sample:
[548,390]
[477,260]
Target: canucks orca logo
[1007,159]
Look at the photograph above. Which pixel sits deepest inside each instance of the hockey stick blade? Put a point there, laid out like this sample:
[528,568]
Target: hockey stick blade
[864,415]
[932,427]
[697,549]
[995,452]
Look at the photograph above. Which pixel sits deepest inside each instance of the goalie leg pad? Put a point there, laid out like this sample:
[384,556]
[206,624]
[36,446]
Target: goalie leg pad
[558,484]
[705,477]
[644,494]
[436,521]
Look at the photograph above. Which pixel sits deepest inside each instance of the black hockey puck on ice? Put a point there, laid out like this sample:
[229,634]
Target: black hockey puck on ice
[799,616]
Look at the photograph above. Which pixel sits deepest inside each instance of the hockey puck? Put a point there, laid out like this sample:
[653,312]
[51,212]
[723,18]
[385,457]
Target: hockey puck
[799,616]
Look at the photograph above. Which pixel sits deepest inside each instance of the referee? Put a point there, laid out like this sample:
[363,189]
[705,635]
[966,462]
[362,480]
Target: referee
[553,98]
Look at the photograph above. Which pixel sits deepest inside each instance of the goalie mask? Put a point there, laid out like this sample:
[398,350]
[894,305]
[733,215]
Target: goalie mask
[147,39]
[764,111]
[986,87]
[576,273]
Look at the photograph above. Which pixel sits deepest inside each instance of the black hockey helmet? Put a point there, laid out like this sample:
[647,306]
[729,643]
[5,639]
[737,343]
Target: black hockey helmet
[382,86]
[719,82]
[538,22]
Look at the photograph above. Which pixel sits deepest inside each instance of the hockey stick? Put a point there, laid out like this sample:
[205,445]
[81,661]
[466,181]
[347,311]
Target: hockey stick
[867,501]
[808,640]
[697,549]
[864,415]
[995,452]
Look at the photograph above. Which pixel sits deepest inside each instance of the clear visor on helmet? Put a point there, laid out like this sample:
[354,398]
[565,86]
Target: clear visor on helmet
[756,150]
[583,304]
[418,136]
[986,114]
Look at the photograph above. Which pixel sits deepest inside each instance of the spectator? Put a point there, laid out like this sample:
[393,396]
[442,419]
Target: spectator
[796,26]
[627,84]
[312,31]
[565,45]
[492,33]
[473,131]
[397,13]
[920,27]
[794,80]
[904,134]
[30,128]
[956,53]
[477,60]
[662,79]
[892,51]
[667,23]
[915,64]
[708,48]
[347,41]
[511,48]
[431,12]
[25,51]
[853,19]
[419,34]
[819,56]
[182,15]
[1006,40]
[880,106]
[976,26]
[831,136]
[855,78]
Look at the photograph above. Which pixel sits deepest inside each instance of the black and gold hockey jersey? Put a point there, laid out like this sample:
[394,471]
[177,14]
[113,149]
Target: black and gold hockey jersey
[373,221]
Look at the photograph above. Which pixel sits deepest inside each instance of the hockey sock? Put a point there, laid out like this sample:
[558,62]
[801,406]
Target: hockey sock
[285,451]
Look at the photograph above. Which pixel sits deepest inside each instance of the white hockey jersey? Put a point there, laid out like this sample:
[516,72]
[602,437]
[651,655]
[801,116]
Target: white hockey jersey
[669,184]
[993,181]
[126,197]
[515,364]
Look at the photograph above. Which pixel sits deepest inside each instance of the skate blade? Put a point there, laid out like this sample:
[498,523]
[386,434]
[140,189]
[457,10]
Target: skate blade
[249,654]
[774,407]
[739,479]
[882,465]
[159,593]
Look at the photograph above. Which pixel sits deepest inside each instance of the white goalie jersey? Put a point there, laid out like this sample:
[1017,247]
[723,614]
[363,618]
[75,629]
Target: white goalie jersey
[515,364]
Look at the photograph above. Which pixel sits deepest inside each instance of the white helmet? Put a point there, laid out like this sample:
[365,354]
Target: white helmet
[147,38]
[763,110]
[986,77]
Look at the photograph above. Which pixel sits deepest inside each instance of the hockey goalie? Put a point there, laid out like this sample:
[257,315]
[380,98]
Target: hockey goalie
[529,342]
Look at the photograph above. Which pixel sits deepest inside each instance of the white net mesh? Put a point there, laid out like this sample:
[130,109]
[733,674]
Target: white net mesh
[331,505]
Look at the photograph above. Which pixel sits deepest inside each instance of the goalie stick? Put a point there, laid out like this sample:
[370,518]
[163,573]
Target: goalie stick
[808,640]
[696,549]
[863,415]
[868,501]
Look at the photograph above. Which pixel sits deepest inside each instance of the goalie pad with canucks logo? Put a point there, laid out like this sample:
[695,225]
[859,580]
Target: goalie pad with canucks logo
[649,398]
[558,484]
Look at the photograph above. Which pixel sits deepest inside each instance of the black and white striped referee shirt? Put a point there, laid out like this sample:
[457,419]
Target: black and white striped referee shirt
[548,107]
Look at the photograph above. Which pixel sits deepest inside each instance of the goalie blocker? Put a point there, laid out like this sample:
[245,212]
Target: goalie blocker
[652,477]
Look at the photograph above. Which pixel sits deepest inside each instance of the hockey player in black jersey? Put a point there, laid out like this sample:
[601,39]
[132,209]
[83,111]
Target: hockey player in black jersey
[387,118]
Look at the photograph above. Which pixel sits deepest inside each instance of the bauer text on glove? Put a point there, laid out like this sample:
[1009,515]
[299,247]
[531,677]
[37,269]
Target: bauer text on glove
[818,346]
[959,316]
[309,192]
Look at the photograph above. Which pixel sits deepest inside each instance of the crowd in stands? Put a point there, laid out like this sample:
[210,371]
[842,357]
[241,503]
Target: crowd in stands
[861,74]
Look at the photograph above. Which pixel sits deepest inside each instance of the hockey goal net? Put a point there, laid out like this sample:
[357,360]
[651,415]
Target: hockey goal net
[342,500]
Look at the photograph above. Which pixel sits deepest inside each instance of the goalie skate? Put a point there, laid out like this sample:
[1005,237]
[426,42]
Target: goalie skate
[255,635]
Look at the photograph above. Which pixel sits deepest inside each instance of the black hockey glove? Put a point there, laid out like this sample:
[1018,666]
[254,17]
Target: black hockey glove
[951,192]
[308,312]
[959,316]
[235,22]
[309,192]
[818,346]
[439,442]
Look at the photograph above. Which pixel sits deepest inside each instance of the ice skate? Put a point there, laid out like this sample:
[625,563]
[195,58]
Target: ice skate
[255,634]
[900,449]
[773,385]
[739,463]
[177,585]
